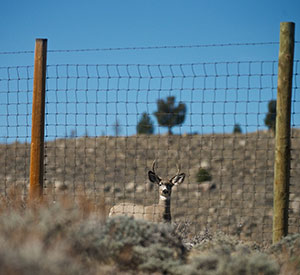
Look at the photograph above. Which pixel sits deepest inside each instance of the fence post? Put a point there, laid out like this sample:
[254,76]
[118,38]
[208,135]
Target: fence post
[38,120]
[283,127]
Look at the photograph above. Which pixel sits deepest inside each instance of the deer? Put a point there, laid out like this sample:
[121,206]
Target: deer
[160,212]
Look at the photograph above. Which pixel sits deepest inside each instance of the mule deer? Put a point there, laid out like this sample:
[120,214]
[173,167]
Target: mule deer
[160,212]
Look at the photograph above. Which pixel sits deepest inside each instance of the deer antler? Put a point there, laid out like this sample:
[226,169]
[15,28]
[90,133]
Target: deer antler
[153,166]
[178,169]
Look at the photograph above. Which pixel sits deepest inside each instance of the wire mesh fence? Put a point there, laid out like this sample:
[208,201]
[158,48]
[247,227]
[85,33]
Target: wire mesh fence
[15,126]
[93,148]
[294,223]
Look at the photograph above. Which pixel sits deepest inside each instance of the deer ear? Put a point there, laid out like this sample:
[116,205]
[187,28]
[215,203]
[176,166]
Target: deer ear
[177,179]
[153,177]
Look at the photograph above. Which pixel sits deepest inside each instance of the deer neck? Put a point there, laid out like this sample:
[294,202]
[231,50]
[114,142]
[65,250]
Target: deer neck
[166,204]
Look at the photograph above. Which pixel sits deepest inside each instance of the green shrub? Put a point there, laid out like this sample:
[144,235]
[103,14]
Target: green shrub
[203,175]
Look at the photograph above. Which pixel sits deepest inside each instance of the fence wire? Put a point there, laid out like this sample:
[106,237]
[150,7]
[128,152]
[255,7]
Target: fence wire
[149,47]
[294,222]
[15,127]
[93,149]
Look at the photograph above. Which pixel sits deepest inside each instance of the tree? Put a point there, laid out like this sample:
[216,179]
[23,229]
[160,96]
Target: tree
[168,115]
[145,125]
[117,128]
[237,129]
[270,119]
[73,133]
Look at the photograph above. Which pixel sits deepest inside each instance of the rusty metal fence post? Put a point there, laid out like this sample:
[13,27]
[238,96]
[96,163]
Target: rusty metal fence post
[283,127]
[38,120]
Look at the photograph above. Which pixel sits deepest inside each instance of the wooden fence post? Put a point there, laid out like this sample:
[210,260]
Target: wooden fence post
[283,127]
[38,120]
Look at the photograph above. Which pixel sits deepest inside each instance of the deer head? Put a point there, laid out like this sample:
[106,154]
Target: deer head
[165,185]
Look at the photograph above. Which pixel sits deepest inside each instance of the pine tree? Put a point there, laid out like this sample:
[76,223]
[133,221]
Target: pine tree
[168,115]
[145,125]
[270,119]
[237,129]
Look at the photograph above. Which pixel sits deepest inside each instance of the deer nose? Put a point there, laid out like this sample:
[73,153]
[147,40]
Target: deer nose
[165,191]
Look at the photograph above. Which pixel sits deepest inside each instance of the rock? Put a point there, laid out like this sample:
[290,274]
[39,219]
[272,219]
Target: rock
[61,186]
[295,205]
[130,186]
[242,142]
[204,164]
[207,186]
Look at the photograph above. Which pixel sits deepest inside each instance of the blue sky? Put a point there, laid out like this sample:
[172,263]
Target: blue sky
[112,24]
[105,24]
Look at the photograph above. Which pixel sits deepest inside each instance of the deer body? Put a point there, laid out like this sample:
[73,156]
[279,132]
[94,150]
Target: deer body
[160,212]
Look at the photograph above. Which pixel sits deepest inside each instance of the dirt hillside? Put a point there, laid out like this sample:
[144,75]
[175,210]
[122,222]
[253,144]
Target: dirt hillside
[115,169]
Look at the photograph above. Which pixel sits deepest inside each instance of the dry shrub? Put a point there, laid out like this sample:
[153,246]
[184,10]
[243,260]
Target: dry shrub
[15,198]
[34,236]
[131,245]
[73,237]
[287,254]
[222,254]
[33,241]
